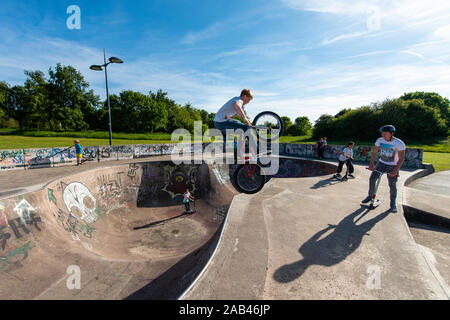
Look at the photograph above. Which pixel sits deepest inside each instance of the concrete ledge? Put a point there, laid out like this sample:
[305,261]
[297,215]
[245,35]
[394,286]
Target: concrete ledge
[420,216]
[427,170]
[425,201]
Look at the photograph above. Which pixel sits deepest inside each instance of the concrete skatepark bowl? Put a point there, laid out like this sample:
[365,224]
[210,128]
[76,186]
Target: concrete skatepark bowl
[116,233]
[97,225]
[119,232]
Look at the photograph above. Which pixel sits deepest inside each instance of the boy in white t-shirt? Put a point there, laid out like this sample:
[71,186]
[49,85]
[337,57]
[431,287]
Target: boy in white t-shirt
[346,156]
[231,109]
[234,107]
[392,155]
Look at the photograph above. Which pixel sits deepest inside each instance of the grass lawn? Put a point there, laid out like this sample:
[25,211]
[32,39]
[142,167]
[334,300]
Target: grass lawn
[436,153]
[20,142]
[440,161]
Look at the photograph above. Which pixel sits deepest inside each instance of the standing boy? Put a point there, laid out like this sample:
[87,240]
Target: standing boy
[392,155]
[346,156]
[78,151]
[320,148]
[187,201]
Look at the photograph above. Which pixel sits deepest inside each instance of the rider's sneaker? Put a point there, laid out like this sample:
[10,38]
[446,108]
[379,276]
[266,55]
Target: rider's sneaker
[337,175]
[351,176]
[367,199]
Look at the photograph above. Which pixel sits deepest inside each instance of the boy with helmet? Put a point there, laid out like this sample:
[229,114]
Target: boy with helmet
[392,155]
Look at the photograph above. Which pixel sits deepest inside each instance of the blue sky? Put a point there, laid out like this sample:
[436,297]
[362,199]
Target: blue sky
[299,57]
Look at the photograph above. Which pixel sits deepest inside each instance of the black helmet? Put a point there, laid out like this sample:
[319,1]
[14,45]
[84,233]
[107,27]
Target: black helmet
[387,128]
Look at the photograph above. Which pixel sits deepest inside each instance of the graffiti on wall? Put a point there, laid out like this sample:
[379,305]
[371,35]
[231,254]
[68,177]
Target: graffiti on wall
[132,171]
[71,221]
[145,150]
[48,157]
[221,173]
[165,183]
[111,185]
[124,152]
[80,202]
[13,233]
[10,159]
[413,157]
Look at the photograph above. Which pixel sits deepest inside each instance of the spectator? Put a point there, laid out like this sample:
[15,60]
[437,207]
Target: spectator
[320,146]
[78,151]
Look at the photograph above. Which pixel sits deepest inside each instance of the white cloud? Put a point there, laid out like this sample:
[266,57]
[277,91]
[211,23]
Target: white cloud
[442,32]
[425,16]
[210,32]
[343,37]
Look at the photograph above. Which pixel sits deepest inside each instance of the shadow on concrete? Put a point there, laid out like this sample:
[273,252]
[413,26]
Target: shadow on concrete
[344,239]
[326,182]
[163,221]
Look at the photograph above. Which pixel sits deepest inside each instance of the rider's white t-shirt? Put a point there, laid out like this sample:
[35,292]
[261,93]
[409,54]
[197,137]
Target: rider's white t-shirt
[389,150]
[228,110]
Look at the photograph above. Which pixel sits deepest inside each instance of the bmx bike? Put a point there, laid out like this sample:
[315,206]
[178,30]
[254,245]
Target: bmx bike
[249,177]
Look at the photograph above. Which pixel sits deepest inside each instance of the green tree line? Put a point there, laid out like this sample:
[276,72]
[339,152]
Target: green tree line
[63,101]
[418,116]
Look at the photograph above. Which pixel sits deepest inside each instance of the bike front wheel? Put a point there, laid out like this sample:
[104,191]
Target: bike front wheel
[268,125]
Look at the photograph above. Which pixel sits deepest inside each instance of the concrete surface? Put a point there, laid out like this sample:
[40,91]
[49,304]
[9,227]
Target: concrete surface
[430,193]
[301,237]
[310,238]
[437,183]
[87,221]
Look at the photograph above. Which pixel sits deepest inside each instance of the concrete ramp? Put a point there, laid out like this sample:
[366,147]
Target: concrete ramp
[92,235]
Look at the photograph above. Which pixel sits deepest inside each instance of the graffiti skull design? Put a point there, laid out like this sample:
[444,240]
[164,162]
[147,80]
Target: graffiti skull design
[80,202]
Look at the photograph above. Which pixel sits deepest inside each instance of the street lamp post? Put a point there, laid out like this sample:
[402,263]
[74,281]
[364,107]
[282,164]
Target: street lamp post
[100,68]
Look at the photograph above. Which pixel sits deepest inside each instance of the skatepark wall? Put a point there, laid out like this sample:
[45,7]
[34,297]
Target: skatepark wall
[413,156]
[52,157]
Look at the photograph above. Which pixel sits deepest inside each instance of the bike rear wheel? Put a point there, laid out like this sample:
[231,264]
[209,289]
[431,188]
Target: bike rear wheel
[248,178]
[268,125]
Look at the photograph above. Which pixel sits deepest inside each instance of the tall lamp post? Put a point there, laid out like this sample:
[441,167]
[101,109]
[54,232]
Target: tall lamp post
[100,68]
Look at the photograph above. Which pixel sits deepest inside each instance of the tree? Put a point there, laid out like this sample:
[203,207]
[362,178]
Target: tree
[4,88]
[37,98]
[17,106]
[69,99]
[434,100]
[302,126]
[342,112]
[324,126]
[287,123]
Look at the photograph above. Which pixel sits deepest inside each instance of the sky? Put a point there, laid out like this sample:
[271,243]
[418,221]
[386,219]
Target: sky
[299,57]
